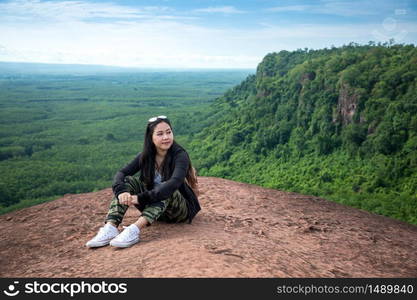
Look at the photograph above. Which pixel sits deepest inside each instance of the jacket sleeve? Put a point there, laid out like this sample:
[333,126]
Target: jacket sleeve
[130,169]
[167,188]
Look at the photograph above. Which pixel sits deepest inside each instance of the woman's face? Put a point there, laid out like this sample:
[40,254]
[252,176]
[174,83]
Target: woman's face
[162,137]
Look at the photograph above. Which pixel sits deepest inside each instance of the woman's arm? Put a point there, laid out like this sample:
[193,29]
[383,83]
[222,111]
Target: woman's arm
[167,188]
[130,169]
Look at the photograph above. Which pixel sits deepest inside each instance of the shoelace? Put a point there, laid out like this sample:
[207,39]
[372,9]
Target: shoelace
[127,233]
[103,233]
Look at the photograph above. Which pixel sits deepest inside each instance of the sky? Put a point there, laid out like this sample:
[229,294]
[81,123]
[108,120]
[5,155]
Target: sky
[192,34]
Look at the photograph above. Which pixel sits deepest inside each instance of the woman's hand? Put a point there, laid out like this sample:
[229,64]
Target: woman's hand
[128,199]
[134,199]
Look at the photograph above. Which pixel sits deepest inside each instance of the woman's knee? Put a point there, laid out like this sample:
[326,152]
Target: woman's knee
[134,185]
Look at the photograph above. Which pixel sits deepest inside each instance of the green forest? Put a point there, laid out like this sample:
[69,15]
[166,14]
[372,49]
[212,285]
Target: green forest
[339,123]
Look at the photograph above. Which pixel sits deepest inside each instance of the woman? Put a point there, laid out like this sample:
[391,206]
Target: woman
[163,191]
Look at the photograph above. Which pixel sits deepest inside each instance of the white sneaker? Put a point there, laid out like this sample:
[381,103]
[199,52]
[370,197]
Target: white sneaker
[103,237]
[127,238]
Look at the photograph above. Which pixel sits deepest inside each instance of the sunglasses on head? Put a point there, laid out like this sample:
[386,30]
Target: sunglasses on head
[153,119]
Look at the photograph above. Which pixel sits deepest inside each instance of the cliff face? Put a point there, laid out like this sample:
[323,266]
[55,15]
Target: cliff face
[242,231]
[346,105]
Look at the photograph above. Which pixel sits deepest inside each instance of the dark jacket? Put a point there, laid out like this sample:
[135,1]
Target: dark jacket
[166,188]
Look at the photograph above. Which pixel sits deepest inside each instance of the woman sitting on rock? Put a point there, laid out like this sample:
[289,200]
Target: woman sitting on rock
[165,190]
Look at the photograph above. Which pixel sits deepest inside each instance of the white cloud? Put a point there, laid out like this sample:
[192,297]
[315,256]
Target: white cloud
[290,8]
[220,9]
[164,40]
[66,31]
[167,43]
[73,10]
[341,8]
[149,43]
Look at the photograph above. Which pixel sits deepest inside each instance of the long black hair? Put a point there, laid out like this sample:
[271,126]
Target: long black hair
[147,160]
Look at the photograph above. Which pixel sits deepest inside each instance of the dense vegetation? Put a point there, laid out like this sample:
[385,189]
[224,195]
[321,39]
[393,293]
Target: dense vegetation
[339,123]
[69,129]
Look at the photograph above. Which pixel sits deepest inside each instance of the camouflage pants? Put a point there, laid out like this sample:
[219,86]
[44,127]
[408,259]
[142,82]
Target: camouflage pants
[171,210]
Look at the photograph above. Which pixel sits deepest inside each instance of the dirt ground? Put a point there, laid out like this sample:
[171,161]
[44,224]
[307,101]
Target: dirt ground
[242,231]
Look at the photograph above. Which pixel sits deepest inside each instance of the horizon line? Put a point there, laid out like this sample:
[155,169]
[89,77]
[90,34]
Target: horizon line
[125,67]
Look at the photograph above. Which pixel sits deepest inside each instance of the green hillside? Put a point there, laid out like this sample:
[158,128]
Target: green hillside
[339,123]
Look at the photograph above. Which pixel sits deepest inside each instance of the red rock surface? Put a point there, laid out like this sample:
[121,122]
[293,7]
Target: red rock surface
[242,231]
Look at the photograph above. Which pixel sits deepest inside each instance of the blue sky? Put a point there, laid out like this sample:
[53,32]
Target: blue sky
[192,34]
